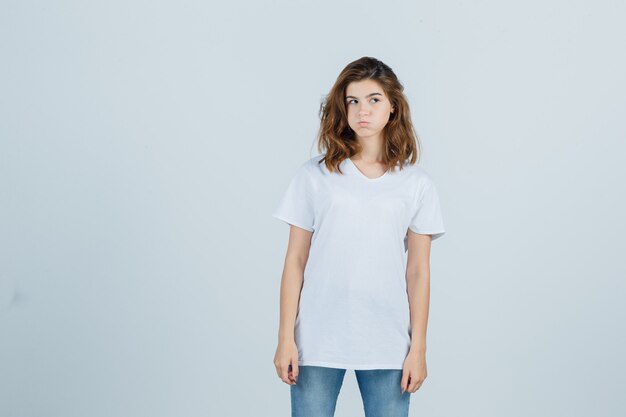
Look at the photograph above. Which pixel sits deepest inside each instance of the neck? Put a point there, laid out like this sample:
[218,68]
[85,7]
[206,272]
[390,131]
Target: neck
[371,149]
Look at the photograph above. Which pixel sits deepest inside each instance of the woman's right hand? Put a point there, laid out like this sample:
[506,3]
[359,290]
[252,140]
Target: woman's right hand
[287,356]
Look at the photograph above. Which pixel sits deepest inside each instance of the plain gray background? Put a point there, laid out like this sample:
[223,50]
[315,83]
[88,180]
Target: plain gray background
[144,146]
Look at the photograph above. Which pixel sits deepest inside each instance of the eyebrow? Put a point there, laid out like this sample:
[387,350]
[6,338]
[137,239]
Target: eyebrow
[369,95]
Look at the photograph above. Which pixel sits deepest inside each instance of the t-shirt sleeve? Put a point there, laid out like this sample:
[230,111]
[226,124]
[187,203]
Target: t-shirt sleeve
[296,205]
[427,218]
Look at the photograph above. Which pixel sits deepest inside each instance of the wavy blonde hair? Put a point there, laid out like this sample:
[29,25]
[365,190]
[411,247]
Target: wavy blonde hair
[337,140]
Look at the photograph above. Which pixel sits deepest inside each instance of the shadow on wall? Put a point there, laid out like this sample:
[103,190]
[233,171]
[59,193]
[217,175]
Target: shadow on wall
[9,295]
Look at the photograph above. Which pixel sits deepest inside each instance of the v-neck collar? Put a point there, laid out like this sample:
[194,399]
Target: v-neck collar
[362,175]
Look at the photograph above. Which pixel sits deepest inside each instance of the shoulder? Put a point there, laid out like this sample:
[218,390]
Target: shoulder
[309,172]
[315,160]
[306,167]
[421,181]
[419,175]
[313,165]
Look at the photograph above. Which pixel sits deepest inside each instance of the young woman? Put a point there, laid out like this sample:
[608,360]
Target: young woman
[356,282]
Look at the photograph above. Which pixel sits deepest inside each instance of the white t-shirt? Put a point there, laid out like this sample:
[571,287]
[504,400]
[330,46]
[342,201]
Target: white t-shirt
[354,309]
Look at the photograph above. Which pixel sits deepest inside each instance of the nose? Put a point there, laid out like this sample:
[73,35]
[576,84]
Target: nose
[363,110]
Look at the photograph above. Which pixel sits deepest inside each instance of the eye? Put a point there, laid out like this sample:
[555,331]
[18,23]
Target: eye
[351,100]
[374,98]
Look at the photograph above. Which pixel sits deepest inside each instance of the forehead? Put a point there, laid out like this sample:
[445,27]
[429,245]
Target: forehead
[363,87]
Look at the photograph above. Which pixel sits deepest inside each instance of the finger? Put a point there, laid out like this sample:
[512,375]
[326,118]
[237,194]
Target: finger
[296,369]
[413,385]
[290,374]
[284,373]
[405,381]
[292,381]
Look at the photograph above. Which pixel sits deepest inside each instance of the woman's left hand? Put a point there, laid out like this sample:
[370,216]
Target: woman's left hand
[414,371]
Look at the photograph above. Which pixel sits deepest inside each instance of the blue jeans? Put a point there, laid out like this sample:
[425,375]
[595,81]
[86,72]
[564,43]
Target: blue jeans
[315,394]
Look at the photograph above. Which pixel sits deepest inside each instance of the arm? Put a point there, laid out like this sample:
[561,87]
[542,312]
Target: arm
[418,290]
[418,287]
[290,288]
[292,279]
